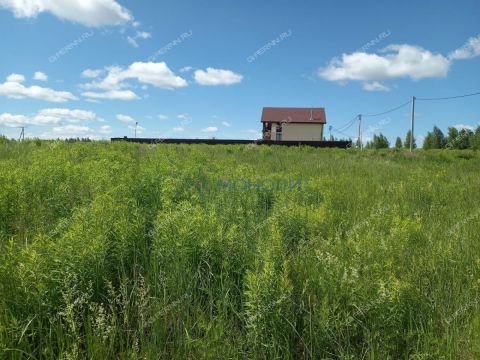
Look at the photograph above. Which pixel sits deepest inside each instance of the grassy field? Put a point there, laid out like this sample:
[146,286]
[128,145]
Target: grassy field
[124,251]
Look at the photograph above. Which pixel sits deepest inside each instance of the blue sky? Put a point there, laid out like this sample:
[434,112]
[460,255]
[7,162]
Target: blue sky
[205,69]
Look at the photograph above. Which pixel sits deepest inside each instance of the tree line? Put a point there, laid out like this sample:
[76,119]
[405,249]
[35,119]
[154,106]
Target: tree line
[454,139]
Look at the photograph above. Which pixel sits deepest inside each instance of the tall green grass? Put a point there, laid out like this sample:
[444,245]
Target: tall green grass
[123,251]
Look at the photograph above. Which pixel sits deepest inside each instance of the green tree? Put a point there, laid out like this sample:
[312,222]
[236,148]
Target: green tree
[452,138]
[465,139]
[406,144]
[378,142]
[398,143]
[438,139]
[434,139]
[428,141]
[475,142]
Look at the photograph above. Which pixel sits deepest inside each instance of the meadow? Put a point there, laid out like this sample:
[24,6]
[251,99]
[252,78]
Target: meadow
[126,251]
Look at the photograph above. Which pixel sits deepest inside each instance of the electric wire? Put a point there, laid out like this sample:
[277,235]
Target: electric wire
[448,98]
[349,124]
[346,125]
[388,111]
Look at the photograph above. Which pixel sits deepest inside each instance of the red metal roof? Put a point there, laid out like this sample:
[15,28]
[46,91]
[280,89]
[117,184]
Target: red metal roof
[294,115]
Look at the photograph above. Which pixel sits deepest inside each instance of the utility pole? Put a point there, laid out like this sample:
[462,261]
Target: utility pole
[360,131]
[330,130]
[136,124]
[413,124]
[22,134]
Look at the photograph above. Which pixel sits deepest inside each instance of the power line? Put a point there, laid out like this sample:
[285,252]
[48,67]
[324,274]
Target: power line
[388,111]
[342,133]
[347,125]
[448,98]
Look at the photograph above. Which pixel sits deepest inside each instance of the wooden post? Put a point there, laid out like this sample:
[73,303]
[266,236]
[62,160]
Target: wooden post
[413,125]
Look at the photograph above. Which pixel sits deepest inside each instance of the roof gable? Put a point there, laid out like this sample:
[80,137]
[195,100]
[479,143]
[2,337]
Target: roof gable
[294,115]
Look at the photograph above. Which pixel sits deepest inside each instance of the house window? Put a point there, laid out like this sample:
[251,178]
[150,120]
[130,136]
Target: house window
[279,136]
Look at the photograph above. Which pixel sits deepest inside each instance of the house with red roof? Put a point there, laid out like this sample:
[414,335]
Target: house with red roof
[293,124]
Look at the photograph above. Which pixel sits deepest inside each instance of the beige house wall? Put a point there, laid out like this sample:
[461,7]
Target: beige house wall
[300,132]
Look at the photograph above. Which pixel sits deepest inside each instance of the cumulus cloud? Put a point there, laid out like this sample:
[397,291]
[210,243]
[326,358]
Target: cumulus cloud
[396,61]
[62,114]
[116,80]
[375,86]
[463,127]
[71,130]
[140,129]
[10,120]
[125,118]
[393,62]
[105,130]
[155,74]
[61,123]
[210,129]
[226,124]
[48,117]
[124,95]
[163,117]
[470,50]
[184,117]
[14,89]
[17,78]
[91,74]
[213,77]
[40,76]
[92,13]
[132,40]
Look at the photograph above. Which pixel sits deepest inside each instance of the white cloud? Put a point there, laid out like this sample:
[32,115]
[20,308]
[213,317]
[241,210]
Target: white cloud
[156,74]
[210,129]
[163,117]
[470,50]
[14,89]
[178,129]
[57,115]
[105,129]
[93,101]
[184,117]
[226,124]
[112,80]
[94,13]
[213,77]
[375,86]
[463,126]
[395,61]
[71,130]
[91,74]
[125,95]
[10,120]
[186,69]
[116,80]
[47,117]
[140,129]
[17,78]
[398,61]
[40,76]
[132,40]
[125,118]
